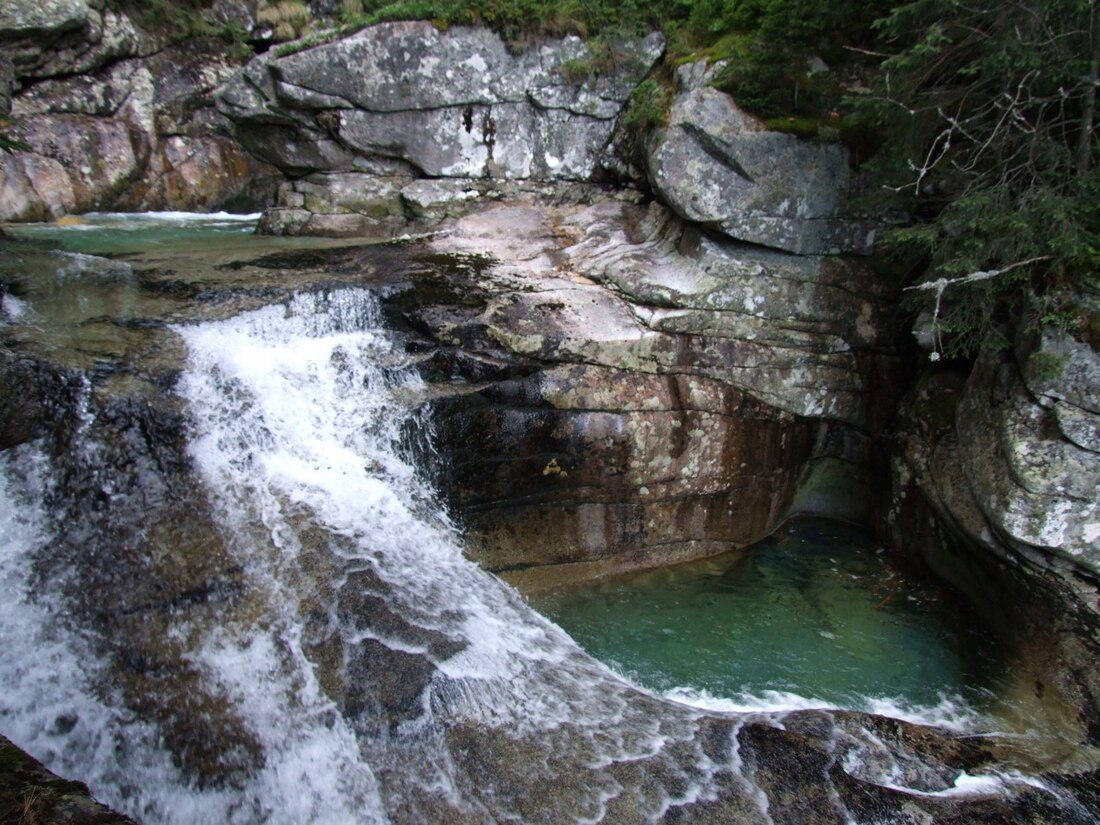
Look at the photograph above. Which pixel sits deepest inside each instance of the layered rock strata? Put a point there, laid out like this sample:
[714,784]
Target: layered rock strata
[446,104]
[145,573]
[431,122]
[427,122]
[636,392]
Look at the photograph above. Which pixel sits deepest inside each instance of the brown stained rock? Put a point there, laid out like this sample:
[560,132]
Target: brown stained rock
[633,436]
[116,122]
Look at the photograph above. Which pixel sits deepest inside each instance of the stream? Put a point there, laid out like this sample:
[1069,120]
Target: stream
[228,592]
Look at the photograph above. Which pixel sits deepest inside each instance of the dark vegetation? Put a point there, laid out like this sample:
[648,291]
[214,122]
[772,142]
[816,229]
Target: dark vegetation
[974,122]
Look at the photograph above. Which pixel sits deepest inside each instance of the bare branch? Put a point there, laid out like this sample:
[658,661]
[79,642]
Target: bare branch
[940,286]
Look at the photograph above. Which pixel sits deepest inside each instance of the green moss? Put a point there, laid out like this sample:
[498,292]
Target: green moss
[575,70]
[1046,366]
[647,107]
[804,127]
[176,19]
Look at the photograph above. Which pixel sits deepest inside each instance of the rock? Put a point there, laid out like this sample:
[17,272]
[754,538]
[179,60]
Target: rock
[718,166]
[1064,369]
[991,494]
[23,18]
[142,134]
[7,82]
[30,793]
[1080,426]
[34,188]
[658,395]
[104,36]
[448,104]
[98,156]
[1036,488]
[192,175]
[413,66]
[797,322]
[439,199]
[403,66]
[539,733]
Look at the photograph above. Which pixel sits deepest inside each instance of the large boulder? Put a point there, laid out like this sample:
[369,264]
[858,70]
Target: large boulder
[718,166]
[453,104]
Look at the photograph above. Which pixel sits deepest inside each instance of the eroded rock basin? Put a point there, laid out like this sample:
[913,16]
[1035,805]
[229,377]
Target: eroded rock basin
[230,594]
[819,614]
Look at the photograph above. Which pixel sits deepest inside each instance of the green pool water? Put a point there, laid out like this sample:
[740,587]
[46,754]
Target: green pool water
[117,233]
[817,614]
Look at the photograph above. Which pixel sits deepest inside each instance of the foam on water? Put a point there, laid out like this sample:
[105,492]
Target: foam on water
[295,410]
[951,713]
[135,220]
[55,705]
[44,703]
[296,417]
[12,308]
[297,430]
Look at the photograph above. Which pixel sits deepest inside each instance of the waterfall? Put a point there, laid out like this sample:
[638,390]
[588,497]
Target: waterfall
[357,643]
[273,621]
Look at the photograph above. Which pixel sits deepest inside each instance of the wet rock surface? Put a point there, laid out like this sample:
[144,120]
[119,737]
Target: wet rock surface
[140,564]
[633,392]
[30,793]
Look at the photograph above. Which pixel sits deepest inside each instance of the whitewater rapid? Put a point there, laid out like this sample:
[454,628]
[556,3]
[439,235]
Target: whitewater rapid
[366,661]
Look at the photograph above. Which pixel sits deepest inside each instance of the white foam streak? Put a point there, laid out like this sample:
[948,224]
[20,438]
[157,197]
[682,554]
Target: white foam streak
[12,308]
[173,217]
[43,687]
[950,713]
[293,411]
[312,770]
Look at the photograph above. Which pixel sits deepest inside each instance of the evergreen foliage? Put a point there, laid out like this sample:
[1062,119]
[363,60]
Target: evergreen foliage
[988,113]
[7,142]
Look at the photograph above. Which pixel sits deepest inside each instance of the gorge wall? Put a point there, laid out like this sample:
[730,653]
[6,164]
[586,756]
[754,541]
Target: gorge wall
[652,383]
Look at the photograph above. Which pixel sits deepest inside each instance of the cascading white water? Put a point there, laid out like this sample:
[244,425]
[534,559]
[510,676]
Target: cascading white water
[297,414]
[296,427]
[297,419]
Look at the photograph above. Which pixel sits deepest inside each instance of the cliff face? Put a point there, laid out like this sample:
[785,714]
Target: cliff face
[995,479]
[114,117]
[625,407]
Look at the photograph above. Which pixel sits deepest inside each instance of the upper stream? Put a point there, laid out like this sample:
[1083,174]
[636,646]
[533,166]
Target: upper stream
[228,594]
